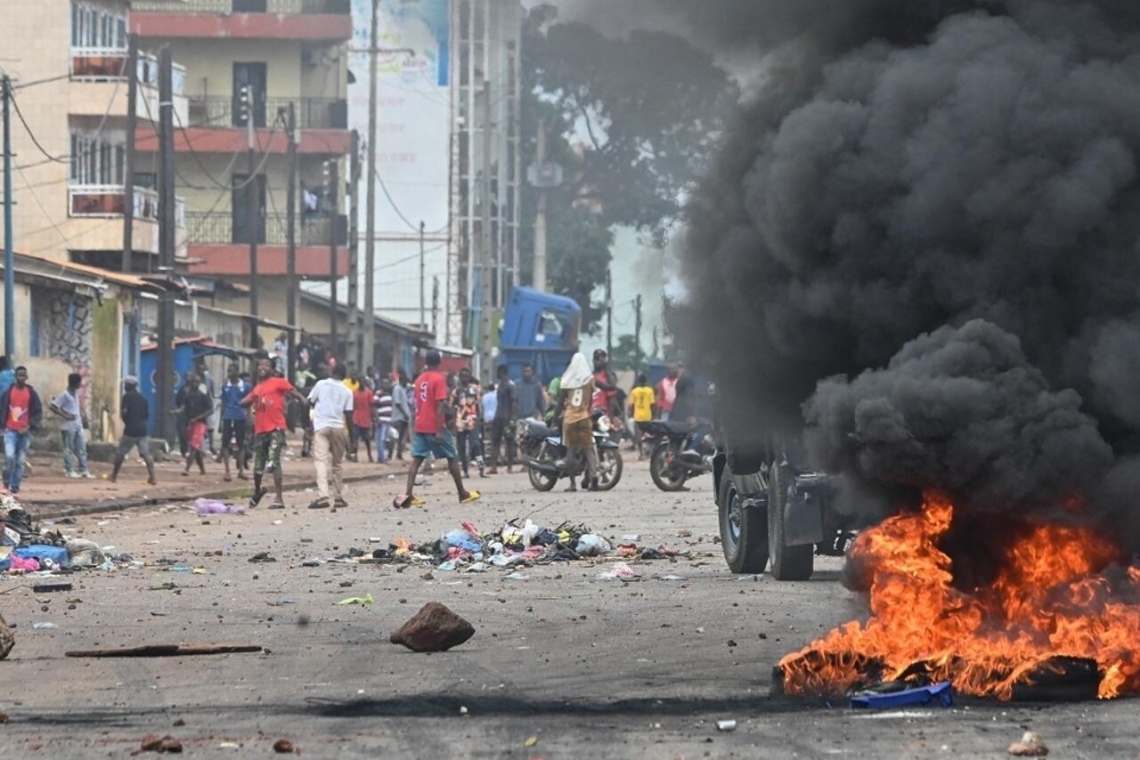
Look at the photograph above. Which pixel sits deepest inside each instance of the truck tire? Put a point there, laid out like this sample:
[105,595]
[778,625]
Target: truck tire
[743,532]
[789,563]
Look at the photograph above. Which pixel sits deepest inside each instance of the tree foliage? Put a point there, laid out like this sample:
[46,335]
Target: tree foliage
[632,121]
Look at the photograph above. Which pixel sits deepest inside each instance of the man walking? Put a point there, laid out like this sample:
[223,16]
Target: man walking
[235,421]
[362,418]
[382,419]
[434,435]
[135,412]
[667,391]
[22,412]
[506,411]
[66,407]
[401,413]
[268,400]
[532,404]
[196,410]
[331,401]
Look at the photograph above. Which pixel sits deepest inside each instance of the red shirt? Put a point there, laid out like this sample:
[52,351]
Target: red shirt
[430,389]
[269,404]
[362,408]
[19,409]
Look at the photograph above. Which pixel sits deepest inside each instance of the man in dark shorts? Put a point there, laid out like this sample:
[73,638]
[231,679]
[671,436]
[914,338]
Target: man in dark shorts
[235,421]
[268,400]
[434,435]
[135,412]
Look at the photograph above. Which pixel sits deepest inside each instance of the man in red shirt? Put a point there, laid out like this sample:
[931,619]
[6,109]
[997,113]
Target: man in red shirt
[362,416]
[268,400]
[434,433]
[21,412]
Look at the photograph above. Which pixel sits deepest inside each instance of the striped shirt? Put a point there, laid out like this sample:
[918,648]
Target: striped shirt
[382,408]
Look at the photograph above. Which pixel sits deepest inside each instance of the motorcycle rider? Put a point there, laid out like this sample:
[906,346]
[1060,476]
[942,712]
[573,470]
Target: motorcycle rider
[691,406]
[574,401]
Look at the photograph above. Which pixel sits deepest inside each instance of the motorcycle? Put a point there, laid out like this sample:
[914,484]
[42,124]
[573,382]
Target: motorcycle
[671,465]
[545,458]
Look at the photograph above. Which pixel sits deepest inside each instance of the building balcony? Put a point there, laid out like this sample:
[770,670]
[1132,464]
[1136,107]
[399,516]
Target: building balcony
[90,206]
[226,111]
[329,20]
[230,140]
[218,247]
[101,86]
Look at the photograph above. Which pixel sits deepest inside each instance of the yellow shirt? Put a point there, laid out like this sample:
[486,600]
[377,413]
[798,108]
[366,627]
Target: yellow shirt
[643,398]
[351,384]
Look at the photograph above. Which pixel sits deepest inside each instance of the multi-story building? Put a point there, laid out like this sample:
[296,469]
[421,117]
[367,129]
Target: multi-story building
[246,61]
[70,83]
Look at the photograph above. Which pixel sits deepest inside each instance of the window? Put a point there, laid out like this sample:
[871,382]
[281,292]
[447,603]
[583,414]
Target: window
[93,27]
[98,159]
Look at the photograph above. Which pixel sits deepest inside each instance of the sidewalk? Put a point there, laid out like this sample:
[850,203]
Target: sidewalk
[49,494]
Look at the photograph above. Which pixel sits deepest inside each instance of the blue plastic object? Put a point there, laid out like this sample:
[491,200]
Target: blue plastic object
[56,554]
[943,692]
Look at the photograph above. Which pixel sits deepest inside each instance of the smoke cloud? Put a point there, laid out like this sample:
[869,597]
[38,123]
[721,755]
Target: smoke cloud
[920,243]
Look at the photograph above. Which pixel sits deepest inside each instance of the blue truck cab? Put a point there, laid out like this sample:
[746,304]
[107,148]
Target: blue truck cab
[539,329]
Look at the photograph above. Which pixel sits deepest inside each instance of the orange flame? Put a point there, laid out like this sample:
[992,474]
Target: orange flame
[1048,599]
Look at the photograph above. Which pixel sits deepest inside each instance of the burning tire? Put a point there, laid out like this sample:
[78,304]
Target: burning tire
[743,531]
[789,563]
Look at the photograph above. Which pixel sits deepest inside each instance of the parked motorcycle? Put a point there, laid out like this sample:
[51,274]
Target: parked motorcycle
[671,465]
[545,458]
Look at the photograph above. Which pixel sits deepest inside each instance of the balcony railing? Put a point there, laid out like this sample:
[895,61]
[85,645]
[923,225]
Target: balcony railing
[111,201]
[218,229]
[109,65]
[291,7]
[226,111]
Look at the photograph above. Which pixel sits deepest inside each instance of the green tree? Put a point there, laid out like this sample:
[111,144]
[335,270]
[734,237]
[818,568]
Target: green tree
[633,123]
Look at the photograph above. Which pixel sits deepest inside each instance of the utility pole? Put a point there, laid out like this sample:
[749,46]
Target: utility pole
[435,305]
[9,244]
[656,345]
[291,239]
[486,273]
[353,254]
[423,319]
[332,186]
[129,153]
[540,216]
[253,209]
[165,380]
[369,350]
[609,313]
[637,334]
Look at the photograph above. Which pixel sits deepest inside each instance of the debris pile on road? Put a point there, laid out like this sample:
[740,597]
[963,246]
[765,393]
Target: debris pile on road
[29,548]
[466,549]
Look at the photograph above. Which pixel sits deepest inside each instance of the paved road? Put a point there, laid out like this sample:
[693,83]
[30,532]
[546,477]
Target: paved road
[590,667]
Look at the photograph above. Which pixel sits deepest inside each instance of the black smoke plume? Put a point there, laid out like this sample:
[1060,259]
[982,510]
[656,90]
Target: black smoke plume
[922,235]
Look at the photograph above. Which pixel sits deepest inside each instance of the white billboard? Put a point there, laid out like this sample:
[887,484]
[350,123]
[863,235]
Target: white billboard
[413,110]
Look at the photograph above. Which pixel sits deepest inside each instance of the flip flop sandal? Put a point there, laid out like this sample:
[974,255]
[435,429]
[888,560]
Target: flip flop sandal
[257,497]
[319,504]
[340,503]
[277,505]
[472,497]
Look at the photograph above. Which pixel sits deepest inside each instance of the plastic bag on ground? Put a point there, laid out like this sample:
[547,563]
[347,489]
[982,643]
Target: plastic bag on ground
[620,571]
[85,553]
[211,507]
[591,545]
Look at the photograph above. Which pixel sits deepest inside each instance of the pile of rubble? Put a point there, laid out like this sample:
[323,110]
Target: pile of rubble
[26,547]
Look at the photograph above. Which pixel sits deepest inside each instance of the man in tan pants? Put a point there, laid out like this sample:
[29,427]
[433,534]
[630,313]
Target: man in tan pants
[331,401]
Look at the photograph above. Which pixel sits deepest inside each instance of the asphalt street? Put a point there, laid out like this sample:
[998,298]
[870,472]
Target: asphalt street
[564,663]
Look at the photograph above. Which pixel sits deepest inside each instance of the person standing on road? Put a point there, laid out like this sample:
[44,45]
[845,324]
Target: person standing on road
[605,385]
[66,406]
[382,419]
[268,400]
[235,421]
[22,412]
[532,402]
[642,402]
[180,419]
[332,401]
[434,435]
[206,383]
[401,412]
[574,403]
[502,425]
[667,391]
[135,412]
[362,417]
[467,425]
[196,410]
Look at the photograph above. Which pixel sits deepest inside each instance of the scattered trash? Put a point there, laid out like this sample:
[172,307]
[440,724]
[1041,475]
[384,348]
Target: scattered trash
[620,571]
[362,601]
[517,577]
[1031,745]
[726,725]
[262,557]
[229,745]
[44,626]
[314,562]
[631,537]
[434,628]
[285,747]
[671,578]
[590,545]
[49,588]
[924,695]
[210,507]
[531,742]
[151,743]
[684,534]
[166,650]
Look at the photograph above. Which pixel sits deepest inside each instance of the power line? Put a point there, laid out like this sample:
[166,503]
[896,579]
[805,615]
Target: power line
[35,141]
[399,213]
[35,82]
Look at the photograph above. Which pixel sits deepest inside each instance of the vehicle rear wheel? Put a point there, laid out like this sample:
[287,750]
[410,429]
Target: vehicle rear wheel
[789,563]
[610,467]
[665,476]
[743,532]
[542,481]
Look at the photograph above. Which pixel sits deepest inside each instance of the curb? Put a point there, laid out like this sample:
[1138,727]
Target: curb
[53,510]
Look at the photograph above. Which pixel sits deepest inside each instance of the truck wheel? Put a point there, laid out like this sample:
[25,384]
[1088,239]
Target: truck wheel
[743,532]
[789,563]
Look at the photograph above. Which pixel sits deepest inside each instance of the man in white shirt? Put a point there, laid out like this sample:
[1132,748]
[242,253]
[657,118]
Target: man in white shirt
[66,407]
[331,401]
